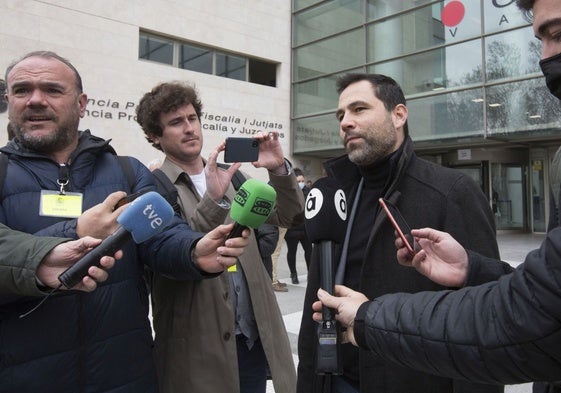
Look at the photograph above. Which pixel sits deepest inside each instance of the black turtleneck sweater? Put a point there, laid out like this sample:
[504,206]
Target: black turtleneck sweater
[376,178]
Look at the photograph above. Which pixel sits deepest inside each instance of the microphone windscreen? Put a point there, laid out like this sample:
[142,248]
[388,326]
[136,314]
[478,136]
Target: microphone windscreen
[326,211]
[146,216]
[253,203]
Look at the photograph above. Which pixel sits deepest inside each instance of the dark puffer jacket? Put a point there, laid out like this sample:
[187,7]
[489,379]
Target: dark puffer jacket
[427,194]
[83,342]
[507,331]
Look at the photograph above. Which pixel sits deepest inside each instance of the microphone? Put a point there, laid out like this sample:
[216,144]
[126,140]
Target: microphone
[145,217]
[252,205]
[326,216]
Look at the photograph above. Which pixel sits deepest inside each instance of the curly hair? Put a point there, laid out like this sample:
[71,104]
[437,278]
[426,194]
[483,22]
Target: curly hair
[164,98]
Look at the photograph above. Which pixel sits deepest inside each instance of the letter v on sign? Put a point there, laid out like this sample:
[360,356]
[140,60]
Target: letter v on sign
[452,14]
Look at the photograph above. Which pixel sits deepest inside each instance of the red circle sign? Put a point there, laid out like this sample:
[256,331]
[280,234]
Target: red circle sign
[453,13]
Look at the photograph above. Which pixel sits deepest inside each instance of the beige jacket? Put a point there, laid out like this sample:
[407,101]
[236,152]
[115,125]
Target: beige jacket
[195,345]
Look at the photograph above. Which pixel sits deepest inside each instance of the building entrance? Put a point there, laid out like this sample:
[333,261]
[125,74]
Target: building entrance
[515,179]
[508,198]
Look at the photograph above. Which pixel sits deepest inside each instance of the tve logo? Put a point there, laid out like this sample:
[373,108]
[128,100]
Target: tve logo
[155,220]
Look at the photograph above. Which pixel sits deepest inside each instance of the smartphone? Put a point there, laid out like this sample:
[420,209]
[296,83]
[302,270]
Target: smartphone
[241,150]
[129,198]
[400,225]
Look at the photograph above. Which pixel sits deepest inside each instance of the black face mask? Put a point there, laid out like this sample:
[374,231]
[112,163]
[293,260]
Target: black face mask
[551,68]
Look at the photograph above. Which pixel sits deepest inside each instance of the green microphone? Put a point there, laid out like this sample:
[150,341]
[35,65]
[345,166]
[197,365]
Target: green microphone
[252,205]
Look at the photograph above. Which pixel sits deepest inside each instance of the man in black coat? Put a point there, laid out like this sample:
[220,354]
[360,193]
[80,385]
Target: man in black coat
[507,331]
[380,162]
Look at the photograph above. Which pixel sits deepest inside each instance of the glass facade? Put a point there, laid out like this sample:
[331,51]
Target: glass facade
[469,69]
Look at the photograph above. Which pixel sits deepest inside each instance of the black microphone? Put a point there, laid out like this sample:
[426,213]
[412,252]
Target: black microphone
[326,216]
[146,216]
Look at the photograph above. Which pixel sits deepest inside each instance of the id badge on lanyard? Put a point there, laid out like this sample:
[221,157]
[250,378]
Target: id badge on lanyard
[61,203]
[55,204]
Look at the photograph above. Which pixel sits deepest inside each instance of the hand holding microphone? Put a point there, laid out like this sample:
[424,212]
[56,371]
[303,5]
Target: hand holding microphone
[65,255]
[326,216]
[252,205]
[145,217]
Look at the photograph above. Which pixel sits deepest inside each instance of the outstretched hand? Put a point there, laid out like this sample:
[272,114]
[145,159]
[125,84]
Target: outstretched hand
[218,179]
[214,254]
[65,255]
[442,259]
[100,221]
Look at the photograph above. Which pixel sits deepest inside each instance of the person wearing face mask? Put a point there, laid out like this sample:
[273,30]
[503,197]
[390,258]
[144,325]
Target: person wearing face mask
[505,331]
[297,235]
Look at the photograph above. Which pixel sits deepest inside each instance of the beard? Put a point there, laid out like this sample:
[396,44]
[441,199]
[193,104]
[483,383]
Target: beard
[56,140]
[375,145]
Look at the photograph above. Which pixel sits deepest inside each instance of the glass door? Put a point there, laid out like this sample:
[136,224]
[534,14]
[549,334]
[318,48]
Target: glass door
[508,196]
[538,196]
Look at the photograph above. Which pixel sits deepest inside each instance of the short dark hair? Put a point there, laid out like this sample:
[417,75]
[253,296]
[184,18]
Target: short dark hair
[526,6]
[164,98]
[48,55]
[385,89]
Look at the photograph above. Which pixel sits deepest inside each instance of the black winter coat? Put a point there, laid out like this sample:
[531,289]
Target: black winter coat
[509,330]
[83,342]
[506,331]
[428,195]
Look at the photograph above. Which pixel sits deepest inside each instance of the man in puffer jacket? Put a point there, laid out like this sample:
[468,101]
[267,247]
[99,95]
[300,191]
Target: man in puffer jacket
[83,342]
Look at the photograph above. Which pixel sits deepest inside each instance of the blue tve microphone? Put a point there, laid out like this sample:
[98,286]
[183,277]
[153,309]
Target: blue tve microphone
[326,218]
[145,217]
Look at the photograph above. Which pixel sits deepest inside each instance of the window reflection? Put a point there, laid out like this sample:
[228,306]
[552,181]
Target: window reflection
[330,55]
[379,8]
[317,134]
[195,59]
[230,66]
[521,107]
[419,29]
[512,54]
[303,3]
[155,49]
[327,19]
[451,115]
[317,95]
[452,66]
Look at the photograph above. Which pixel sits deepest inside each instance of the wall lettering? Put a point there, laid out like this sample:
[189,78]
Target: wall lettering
[113,109]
